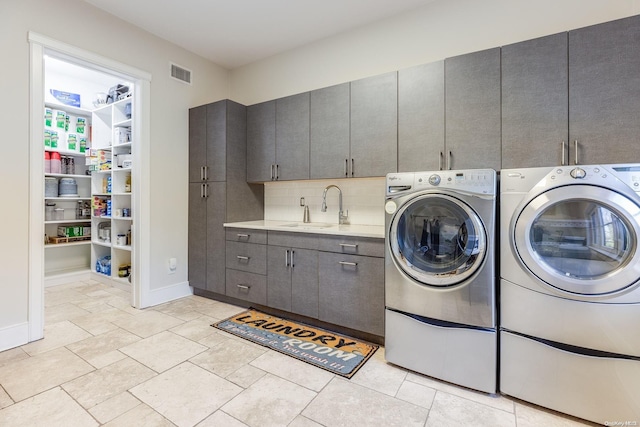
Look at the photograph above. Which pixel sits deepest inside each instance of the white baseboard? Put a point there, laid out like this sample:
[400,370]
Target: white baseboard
[61,279]
[168,293]
[14,336]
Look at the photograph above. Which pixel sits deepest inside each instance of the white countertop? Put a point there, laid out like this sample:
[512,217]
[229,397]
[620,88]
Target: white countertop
[375,231]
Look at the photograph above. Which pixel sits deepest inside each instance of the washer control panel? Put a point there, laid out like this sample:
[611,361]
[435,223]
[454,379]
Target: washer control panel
[482,181]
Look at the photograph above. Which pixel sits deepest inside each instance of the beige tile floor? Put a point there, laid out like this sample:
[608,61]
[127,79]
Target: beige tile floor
[103,363]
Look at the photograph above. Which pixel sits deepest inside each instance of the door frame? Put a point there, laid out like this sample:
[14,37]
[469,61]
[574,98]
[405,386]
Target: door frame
[40,46]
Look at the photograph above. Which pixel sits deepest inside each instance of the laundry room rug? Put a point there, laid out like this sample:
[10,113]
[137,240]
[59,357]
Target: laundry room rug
[339,354]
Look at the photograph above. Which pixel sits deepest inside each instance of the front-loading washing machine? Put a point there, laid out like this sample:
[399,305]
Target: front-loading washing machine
[570,289]
[440,275]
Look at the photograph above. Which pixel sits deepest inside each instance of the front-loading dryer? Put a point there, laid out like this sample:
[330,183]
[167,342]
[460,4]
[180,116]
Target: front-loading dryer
[570,289]
[440,276]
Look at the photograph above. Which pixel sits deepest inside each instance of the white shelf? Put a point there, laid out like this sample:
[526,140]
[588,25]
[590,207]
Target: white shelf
[66,152]
[99,243]
[69,109]
[122,247]
[122,218]
[66,175]
[102,194]
[66,199]
[117,169]
[126,144]
[67,221]
[123,124]
[101,217]
[121,194]
[102,171]
[66,245]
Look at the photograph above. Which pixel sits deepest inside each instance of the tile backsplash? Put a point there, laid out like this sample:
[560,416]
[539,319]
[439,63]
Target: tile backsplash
[362,197]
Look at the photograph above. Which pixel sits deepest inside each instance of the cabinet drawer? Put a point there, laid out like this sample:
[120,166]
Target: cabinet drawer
[247,257]
[293,240]
[246,235]
[352,245]
[351,291]
[247,286]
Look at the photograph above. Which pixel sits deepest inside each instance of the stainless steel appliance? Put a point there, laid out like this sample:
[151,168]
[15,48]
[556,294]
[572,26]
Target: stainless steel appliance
[570,289]
[440,277]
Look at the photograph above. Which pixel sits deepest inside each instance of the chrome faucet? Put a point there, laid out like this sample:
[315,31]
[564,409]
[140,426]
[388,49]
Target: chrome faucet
[343,217]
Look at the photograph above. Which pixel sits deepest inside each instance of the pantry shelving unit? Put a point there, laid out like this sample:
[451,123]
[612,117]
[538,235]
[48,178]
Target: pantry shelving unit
[111,192]
[67,256]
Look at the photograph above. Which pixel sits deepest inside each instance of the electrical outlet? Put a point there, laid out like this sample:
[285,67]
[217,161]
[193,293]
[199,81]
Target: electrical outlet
[173,265]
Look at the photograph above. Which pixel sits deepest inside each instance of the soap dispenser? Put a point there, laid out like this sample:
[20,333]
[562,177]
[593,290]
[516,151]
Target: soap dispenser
[305,217]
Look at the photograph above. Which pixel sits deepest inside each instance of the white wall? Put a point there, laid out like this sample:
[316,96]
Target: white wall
[77,23]
[442,29]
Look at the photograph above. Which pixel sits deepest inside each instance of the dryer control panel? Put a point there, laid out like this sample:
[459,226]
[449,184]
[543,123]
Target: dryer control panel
[481,181]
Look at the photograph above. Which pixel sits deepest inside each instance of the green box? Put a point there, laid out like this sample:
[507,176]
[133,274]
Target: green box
[70,231]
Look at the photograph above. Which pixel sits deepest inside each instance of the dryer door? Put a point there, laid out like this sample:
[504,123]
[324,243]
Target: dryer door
[580,239]
[437,239]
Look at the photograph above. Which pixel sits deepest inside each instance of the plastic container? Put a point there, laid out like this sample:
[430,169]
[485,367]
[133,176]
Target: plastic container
[58,214]
[68,187]
[56,162]
[48,211]
[47,162]
[50,187]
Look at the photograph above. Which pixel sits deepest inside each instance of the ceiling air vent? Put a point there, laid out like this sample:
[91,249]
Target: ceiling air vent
[180,73]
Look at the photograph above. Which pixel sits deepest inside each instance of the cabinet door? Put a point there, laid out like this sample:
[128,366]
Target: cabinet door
[216,141]
[472,110]
[197,143]
[279,277]
[261,141]
[292,137]
[351,291]
[216,241]
[535,101]
[604,92]
[304,282]
[421,117]
[329,132]
[197,236]
[374,125]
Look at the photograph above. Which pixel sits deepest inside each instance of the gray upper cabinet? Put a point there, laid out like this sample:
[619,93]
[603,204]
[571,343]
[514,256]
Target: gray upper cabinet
[261,141]
[421,117]
[329,132]
[197,143]
[535,102]
[604,92]
[374,126]
[292,137]
[472,110]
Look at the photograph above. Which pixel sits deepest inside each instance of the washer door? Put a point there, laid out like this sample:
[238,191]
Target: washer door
[580,239]
[438,240]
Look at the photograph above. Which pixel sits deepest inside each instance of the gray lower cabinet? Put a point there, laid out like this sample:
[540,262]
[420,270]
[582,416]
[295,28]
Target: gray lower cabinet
[604,92]
[246,264]
[472,110]
[329,132]
[351,291]
[374,126]
[292,280]
[421,117]
[535,101]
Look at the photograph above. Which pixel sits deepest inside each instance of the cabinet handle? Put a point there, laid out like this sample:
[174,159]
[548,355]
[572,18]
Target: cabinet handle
[353,264]
[346,167]
[575,159]
[449,161]
[202,173]
[277,171]
[206,191]
[352,167]
[292,254]
[243,258]
[242,236]
[564,149]
[202,191]
[440,161]
[348,245]
[245,287]
[286,258]
[206,173]
[272,172]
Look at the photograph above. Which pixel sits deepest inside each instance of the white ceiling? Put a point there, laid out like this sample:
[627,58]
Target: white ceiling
[233,33]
